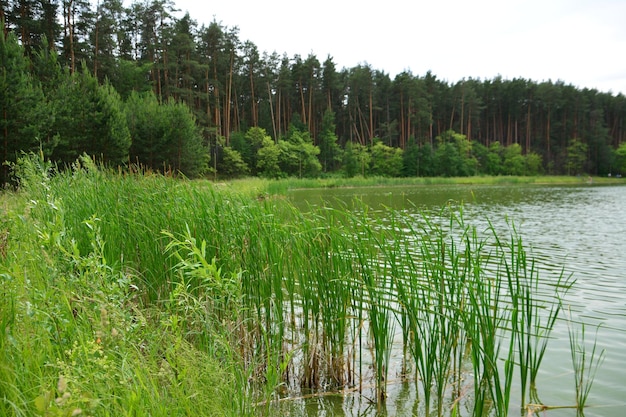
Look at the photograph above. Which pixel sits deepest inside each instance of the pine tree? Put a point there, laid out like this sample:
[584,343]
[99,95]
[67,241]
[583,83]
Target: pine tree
[24,113]
[183,141]
[145,122]
[165,137]
[90,119]
[330,152]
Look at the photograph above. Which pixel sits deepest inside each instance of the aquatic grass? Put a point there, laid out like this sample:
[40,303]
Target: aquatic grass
[533,314]
[284,301]
[585,364]
[377,286]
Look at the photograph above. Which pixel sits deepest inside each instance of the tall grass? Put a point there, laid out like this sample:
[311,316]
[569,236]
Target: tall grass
[206,301]
[585,363]
[78,337]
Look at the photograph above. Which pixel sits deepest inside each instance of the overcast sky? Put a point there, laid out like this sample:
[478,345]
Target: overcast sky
[581,42]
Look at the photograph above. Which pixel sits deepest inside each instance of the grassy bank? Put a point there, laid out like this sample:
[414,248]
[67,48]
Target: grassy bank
[143,295]
[78,333]
[259,186]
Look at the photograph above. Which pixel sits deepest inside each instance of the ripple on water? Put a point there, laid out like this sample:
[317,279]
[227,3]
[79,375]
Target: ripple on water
[578,229]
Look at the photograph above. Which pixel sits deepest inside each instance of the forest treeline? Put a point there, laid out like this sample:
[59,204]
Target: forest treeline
[137,84]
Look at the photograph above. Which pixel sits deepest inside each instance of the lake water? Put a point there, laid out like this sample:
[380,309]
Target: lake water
[579,228]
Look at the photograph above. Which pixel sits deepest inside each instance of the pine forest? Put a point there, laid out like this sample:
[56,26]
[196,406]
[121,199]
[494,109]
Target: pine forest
[139,85]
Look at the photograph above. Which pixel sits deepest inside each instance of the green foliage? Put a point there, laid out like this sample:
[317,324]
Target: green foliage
[204,279]
[130,77]
[298,155]
[77,337]
[534,164]
[356,160]
[25,115]
[427,161]
[350,164]
[514,163]
[240,143]
[145,123]
[228,87]
[385,160]
[499,160]
[165,136]
[576,157]
[267,159]
[330,152]
[453,155]
[495,159]
[89,119]
[620,160]
[182,140]
[46,67]
[250,144]
[585,362]
[149,295]
[232,164]
[411,160]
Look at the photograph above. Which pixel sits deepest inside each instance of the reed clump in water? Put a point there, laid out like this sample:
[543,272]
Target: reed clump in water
[294,302]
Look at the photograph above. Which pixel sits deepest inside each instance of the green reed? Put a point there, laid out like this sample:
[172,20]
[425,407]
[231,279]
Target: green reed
[533,318]
[585,364]
[292,302]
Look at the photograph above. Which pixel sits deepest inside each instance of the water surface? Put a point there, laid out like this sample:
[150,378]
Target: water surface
[580,229]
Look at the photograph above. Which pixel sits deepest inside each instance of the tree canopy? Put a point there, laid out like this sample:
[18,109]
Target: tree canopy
[139,84]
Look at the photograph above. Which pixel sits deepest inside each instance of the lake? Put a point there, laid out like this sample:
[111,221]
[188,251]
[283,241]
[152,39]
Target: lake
[580,229]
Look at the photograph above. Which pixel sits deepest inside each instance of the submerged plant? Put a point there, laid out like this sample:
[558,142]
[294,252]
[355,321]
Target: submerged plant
[585,364]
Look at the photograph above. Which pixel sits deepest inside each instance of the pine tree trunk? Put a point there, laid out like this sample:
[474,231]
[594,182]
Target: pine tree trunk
[269,96]
[548,136]
[302,102]
[3,19]
[509,130]
[95,52]
[310,116]
[402,124]
[207,90]
[462,111]
[528,130]
[24,30]
[229,93]
[469,124]
[408,131]
[430,127]
[70,29]
[371,127]
[216,106]
[452,117]
[279,115]
[255,121]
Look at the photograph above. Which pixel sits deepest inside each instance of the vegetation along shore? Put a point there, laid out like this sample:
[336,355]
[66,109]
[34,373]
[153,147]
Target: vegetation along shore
[139,294]
[135,84]
[148,266]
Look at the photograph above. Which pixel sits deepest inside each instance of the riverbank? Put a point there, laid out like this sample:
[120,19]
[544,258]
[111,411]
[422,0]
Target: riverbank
[261,186]
[147,295]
